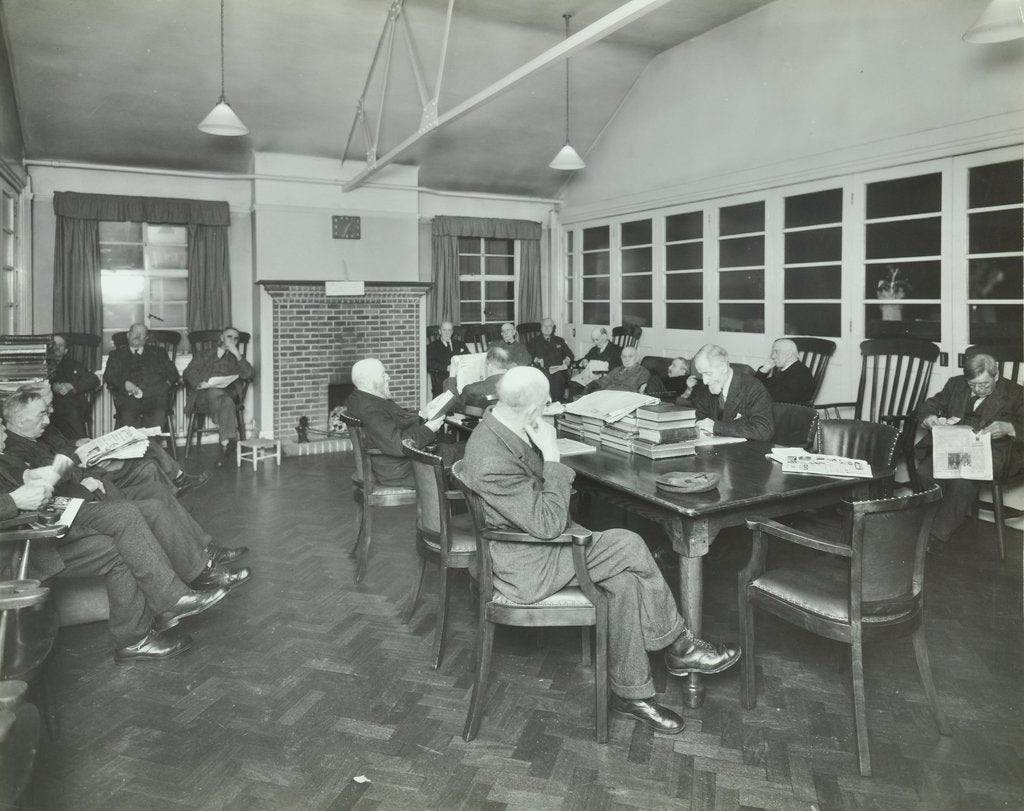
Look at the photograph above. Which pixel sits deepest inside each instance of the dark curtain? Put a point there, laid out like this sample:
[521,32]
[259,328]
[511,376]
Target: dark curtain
[77,299]
[443,304]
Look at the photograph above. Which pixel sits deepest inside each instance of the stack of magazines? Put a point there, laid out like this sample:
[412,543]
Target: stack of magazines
[123,443]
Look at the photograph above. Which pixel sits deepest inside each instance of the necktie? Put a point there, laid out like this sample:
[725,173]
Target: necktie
[721,406]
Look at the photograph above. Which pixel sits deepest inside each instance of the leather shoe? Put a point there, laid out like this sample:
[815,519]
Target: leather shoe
[186,481]
[226,554]
[191,603]
[650,713]
[692,655]
[153,646]
[220,577]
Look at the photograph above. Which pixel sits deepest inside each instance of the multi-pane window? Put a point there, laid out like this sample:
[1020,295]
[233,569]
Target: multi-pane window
[144,276]
[11,279]
[995,253]
[570,278]
[487,280]
[636,254]
[902,251]
[741,268]
[813,254]
[596,275]
[684,270]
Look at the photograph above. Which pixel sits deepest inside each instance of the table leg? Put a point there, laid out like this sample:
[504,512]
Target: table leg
[691,600]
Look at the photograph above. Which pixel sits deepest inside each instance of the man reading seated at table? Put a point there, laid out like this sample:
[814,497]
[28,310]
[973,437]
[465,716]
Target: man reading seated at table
[386,424]
[730,404]
[678,384]
[512,462]
[496,364]
[786,377]
[630,376]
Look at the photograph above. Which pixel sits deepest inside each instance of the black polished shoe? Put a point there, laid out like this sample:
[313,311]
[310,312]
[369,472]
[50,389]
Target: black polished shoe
[154,646]
[226,554]
[184,482]
[650,713]
[220,577]
[191,603]
[694,655]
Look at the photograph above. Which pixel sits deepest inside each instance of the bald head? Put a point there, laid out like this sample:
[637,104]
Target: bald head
[630,356]
[523,388]
[368,375]
[547,326]
[599,336]
[784,352]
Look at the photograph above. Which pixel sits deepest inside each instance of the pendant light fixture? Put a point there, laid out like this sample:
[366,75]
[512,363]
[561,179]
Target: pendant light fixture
[222,119]
[1002,20]
[567,158]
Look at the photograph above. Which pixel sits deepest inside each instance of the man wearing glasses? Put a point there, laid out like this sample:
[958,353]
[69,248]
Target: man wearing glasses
[987,403]
[207,394]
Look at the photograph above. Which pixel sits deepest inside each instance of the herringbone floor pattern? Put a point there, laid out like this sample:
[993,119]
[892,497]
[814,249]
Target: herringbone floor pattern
[302,683]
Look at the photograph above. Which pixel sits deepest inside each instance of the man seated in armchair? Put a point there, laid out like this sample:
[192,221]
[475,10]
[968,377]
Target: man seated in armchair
[550,350]
[140,378]
[215,401]
[678,384]
[71,383]
[630,376]
[730,403]
[787,379]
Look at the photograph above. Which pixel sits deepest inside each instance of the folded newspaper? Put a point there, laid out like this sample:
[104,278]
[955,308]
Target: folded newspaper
[122,443]
[819,464]
[609,405]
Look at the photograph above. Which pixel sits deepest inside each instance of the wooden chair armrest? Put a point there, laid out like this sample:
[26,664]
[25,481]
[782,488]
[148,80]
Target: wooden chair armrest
[581,537]
[19,520]
[21,594]
[579,563]
[33,533]
[454,495]
[781,531]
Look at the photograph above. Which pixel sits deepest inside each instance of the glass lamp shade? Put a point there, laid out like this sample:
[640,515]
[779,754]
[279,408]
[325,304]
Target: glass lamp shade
[1002,20]
[567,159]
[223,121]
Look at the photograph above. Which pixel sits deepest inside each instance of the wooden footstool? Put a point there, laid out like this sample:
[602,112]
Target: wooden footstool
[254,450]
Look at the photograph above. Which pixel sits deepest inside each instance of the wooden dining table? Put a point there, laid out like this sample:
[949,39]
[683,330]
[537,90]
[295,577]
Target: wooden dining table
[750,485]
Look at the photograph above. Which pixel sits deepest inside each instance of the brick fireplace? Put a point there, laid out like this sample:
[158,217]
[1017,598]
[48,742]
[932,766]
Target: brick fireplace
[318,337]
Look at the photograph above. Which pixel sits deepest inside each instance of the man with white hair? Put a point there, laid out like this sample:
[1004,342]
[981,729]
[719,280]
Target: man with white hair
[730,403]
[603,350]
[630,376]
[386,424]
[787,379]
[512,462]
[510,342]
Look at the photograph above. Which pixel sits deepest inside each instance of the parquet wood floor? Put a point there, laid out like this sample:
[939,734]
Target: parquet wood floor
[302,682]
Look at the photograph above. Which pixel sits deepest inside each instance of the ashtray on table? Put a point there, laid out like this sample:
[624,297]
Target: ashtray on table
[688,482]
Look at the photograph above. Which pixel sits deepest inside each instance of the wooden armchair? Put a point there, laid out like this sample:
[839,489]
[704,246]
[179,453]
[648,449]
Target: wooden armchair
[168,340]
[574,605]
[200,340]
[815,353]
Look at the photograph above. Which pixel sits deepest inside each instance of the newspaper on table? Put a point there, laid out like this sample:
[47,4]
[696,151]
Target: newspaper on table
[960,453]
[123,443]
[610,406]
[589,372]
[819,464]
[468,369]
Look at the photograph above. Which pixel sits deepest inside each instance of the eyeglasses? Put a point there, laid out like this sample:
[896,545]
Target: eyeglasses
[981,384]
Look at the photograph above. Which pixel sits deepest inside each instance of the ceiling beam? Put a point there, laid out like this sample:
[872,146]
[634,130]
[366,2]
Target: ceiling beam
[596,31]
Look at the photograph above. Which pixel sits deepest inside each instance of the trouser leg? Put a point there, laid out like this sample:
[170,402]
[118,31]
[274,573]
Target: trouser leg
[68,417]
[136,544]
[220,406]
[958,497]
[96,554]
[163,459]
[642,613]
[177,532]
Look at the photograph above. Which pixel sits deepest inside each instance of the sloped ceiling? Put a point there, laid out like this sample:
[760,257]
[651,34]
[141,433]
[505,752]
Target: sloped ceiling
[125,82]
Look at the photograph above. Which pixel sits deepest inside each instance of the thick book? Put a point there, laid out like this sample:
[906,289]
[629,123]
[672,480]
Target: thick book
[668,434]
[652,450]
[665,412]
[438,406]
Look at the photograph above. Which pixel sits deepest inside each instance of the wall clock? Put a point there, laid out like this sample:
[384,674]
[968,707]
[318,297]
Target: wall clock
[345,227]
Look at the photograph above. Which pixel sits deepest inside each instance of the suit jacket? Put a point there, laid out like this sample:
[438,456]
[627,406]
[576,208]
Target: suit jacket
[476,393]
[206,364]
[522,492]
[517,351]
[439,356]
[152,371]
[794,384]
[747,411]
[622,379]
[71,371]
[1004,404]
[385,425]
[611,353]
[552,351]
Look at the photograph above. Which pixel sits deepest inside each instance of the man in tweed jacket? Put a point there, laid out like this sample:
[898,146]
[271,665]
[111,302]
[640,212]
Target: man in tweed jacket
[512,462]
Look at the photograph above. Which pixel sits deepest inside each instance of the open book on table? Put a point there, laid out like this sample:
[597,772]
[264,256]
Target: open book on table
[959,453]
[609,406]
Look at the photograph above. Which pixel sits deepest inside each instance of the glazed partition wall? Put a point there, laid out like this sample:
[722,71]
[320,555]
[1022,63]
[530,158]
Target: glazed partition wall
[932,250]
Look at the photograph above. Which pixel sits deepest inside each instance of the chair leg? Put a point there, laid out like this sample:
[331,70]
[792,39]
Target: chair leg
[748,686]
[363,541]
[360,518]
[410,609]
[485,640]
[997,516]
[601,676]
[585,653]
[860,710]
[172,432]
[190,433]
[925,669]
[442,616]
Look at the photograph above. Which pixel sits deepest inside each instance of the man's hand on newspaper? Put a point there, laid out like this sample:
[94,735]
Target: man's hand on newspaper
[436,423]
[133,390]
[545,438]
[31,496]
[93,485]
[932,420]
[998,429]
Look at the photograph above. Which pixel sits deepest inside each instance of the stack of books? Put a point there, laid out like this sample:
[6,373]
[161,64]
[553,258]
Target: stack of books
[22,358]
[665,430]
[620,435]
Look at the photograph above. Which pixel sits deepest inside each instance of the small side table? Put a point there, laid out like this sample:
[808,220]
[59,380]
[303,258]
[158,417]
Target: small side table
[255,450]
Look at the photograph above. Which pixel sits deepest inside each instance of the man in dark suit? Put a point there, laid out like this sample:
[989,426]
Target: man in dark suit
[441,352]
[730,403]
[550,350]
[386,424]
[989,404]
[71,383]
[603,350]
[140,377]
[496,364]
[517,351]
[512,462]
[146,596]
[786,377]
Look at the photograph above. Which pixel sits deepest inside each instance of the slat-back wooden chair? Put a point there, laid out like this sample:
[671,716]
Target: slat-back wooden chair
[200,340]
[815,353]
[168,340]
